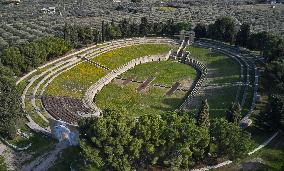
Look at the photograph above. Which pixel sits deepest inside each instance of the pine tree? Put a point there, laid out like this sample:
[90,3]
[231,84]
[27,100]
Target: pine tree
[143,27]
[200,31]
[103,31]
[243,35]
[276,110]
[202,117]
[10,109]
[234,113]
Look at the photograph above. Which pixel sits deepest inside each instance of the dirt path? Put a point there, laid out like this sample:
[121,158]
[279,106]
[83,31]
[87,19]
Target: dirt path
[2,148]
[46,160]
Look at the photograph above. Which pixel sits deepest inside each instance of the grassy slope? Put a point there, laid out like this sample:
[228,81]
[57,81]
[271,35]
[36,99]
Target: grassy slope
[225,70]
[220,100]
[166,72]
[272,155]
[71,157]
[118,57]
[75,82]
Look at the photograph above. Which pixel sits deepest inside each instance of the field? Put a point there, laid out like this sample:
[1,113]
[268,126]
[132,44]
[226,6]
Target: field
[76,81]
[224,69]
[22,32]
[152,100]
[118,57]
[223,72]
[166,72]
[272,156]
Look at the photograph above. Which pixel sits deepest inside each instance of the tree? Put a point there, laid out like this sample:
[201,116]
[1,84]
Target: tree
[10,109]
[118,142]
[103,31]
[200,31]
[273,78]
[34,54]
[234,113]
[182,26]
[185,141]
[70,33]
[202,117]
[272,117]
[85,35]
[148,132]
[229,139]
[112,31]
[243,35]
[107,142]
[143,27]
[134,30]
[227,28]
[213,33]
[124,26]
[136,1]
[271,46]
[223,29]
[13,59]
[275,110]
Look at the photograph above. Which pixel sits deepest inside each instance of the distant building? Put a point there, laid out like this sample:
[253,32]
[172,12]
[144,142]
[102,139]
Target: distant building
[11,1]
[49,10]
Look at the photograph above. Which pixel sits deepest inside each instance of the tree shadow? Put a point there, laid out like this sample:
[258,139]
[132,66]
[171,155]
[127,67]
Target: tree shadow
[171,103]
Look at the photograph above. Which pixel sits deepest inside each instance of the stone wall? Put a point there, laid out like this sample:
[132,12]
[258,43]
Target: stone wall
[95,88]
[201,68]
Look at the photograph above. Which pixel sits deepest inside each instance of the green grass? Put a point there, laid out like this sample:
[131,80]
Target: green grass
[222,69]
[3,166]
[19,141]
[220,101]
[225,69]
[70,157]
[118,57]
[248,101]
[166,72]
[40,145]
[152,100]
[76,81]
[273,154]
[129,101]
[35,116]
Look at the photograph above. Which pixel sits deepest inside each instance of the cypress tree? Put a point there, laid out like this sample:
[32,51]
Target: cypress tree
[234,113]
[202,117]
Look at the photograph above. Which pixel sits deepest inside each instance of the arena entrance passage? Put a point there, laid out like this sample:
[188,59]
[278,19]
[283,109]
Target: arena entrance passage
[64,132]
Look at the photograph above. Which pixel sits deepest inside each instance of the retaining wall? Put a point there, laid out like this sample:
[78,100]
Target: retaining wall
[95,88]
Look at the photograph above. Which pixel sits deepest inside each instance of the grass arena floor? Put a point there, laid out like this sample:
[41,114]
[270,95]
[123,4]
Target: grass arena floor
[152,100]
[76,81]
[166,72]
